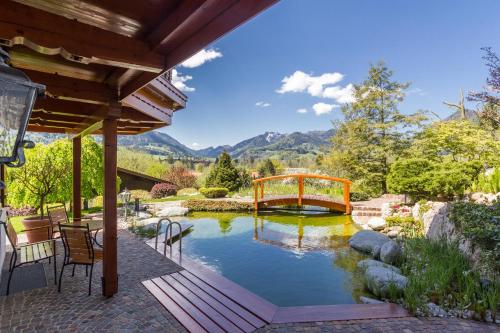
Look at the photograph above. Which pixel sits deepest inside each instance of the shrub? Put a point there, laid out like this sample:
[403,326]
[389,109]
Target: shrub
[214,192]
[163,190]
[180,176]
[411,227]
[405,177]
[480,224]
[23,211]
[216,205]
[359,196]
[489,183]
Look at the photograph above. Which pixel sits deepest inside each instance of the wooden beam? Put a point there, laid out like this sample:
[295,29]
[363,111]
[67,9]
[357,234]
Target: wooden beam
[190,42]
[91,129]
[72,89]
[52,34]
[110,262]
[77,178]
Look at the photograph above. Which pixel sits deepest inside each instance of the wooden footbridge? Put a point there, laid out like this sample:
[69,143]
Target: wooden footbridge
[303,190]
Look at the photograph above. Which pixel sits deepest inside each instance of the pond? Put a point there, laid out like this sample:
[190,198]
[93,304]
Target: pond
[290,259]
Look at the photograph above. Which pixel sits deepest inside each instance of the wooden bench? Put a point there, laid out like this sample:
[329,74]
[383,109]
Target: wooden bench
[27,253]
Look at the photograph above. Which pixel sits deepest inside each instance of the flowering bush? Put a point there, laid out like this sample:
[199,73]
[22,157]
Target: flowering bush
[163,190]
[23,211]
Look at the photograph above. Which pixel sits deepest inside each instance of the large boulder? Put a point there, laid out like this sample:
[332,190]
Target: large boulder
[365,264]
[368,241]
[376,223]
[172,211]
[391,252]
[383,282]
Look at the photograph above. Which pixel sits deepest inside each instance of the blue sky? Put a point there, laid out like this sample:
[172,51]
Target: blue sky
[434,44]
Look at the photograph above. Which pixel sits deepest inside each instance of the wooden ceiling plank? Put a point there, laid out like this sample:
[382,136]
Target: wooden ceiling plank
[74,89]
[240,12]
[52,34]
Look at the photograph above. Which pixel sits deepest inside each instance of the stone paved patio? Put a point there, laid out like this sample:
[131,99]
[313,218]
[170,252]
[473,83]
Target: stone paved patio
[133,309]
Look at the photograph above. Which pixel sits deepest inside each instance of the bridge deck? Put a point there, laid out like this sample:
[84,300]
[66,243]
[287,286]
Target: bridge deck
[307,200]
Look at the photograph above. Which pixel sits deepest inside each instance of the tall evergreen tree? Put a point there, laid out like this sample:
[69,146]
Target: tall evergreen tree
[224,174]
[373,133]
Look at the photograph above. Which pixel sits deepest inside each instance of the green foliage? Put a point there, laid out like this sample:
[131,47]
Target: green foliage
[438,272]
[214,192]
[458,141]
[269,167]
[359,196]
[488,183]
[216,205]
[410,227]
[480,224]
[421,178]
[140,194]
[142,162]
[406,176]
[374,133]
[180,176]
[224,174]
[187,191]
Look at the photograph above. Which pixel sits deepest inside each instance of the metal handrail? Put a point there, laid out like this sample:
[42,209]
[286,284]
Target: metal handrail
[169,228]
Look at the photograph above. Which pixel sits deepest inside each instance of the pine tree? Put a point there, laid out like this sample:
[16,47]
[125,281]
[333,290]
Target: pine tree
[224,174]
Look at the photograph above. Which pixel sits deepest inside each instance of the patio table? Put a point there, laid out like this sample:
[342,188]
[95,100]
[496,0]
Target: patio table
[94,225]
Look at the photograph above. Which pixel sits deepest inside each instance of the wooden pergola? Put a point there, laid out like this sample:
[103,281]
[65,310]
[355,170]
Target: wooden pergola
[106,66]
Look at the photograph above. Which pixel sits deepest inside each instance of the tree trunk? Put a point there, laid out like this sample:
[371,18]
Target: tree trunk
[42,200]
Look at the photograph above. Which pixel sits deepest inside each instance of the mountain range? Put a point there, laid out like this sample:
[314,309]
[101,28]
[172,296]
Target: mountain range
[263,145]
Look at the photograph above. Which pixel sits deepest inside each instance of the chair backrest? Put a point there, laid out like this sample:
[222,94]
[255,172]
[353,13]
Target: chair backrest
[57,214]
[9,228]
[77,242]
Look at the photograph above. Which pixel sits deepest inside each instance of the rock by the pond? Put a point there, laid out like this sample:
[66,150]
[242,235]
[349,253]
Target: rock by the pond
[368,300]
[436,310]
[143,215]
[382,281]
[172,211]
[390,252]
[368,241]
[376,223]
[364,264]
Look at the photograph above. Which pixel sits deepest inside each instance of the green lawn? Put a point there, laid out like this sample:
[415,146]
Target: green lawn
[17,221]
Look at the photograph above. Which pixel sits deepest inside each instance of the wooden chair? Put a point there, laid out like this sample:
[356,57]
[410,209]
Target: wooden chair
[58,215]
[78,249]
[27,253]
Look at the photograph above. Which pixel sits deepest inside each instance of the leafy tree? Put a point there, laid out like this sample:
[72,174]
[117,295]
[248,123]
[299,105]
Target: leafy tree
[407,175]
[374,132]
[266,168]
[458,141]
[490,97]
[224,174]
[180,176]
[41,176]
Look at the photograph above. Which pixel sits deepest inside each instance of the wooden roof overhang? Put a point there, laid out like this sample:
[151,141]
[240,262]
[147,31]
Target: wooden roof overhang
[111,58]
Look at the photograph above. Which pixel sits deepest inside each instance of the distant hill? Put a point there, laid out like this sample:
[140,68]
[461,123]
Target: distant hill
[267,144]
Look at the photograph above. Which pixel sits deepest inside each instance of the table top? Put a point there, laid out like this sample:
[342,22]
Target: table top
[93,224]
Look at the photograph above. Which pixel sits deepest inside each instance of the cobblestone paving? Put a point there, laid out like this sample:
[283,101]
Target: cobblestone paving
[399,325]
[133,309]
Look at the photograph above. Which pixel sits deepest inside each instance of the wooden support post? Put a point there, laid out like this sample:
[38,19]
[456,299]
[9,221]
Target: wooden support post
[2,179]
[301,190]
[255,197]
[77,178]
[347,198]
[110,260]
[262,190]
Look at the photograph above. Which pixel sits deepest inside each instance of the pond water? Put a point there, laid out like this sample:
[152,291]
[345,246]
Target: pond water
[290,259]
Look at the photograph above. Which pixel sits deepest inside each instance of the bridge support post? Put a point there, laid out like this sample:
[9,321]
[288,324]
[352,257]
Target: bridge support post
[255,197]
[347,198]
[301,190]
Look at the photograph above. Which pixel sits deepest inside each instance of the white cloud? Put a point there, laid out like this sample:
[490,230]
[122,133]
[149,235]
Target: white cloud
[300,82]
[339,94]
[323,86]
[195,144]
[323,108]
[302,110]
[417,91]
[263,104]
[201,57]
[179,81]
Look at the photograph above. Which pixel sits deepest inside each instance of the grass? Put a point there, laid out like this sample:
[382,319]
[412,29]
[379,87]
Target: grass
[17,221]
[438,272]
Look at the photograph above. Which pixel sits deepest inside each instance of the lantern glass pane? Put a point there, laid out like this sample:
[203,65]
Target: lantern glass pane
[13,102]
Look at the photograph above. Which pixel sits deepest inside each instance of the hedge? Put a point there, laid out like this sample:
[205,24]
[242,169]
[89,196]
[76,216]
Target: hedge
[217,205]
[163,190]
[214,192]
